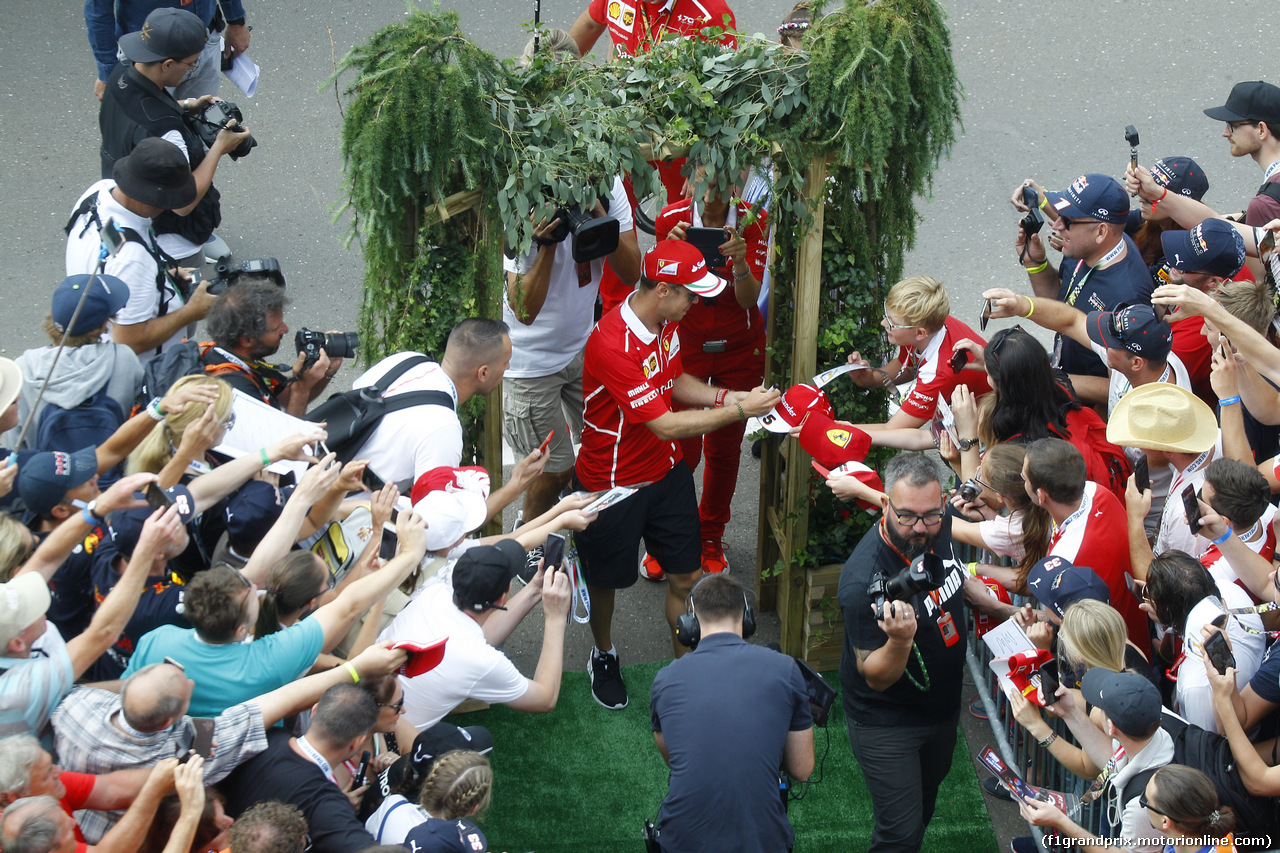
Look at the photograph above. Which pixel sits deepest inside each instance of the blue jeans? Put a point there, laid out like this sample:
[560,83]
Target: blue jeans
[903,767]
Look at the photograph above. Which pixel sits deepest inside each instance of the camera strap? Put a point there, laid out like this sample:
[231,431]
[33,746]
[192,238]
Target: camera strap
[581,597]
[1076,287]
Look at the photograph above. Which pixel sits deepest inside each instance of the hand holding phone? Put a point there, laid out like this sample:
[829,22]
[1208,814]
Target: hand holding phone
[1049,682]
[546,442]
[1191,505]
[959,359]
[1218,652]
[156,497]
[1142,474]
[553,552]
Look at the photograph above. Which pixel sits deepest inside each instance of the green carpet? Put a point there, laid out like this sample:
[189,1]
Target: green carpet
[584,779]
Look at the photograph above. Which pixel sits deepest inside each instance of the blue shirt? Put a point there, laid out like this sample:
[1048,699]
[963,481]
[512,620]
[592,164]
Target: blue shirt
[30,688]
[109,19]
[231,673]
[724,712]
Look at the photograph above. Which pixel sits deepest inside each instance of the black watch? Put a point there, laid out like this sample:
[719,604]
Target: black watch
[967,443]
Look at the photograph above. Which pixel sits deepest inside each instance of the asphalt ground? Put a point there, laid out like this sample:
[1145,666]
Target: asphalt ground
[1048,91]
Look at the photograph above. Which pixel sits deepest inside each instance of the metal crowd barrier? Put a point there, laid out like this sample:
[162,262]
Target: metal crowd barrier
[1017,748]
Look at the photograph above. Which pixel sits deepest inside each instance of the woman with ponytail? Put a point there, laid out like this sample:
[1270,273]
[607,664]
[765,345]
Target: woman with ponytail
[457,787]
[1182,803]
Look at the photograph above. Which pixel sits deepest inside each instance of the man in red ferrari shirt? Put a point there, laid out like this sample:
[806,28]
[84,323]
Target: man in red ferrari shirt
[632,374]
[723,339]
[917,319]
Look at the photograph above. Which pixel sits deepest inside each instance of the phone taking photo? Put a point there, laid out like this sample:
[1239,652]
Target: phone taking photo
[1142,474]
[553,552]
[959,359]
[1049,682]
[156,497]
[1218,652]
[1191,504]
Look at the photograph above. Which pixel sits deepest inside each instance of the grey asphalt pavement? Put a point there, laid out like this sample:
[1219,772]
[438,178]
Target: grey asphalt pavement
[1049,89]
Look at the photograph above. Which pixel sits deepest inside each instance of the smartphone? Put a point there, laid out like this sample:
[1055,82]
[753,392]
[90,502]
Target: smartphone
[1142,474]
[156,498]
[358,779]
[986,315]
[708,241]
[1049,682]
[959,359]
[553,551]
[546,442]
[390,544]
[1219,652]
[111,236]
[371,481]
[1191,504]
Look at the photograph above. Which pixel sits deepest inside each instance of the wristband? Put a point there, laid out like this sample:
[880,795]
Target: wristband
[973,568]
[1223,538]
[720,395]
[88,517]
[1041,267]
[1044,744]
[355,676]
[1031,301]
[154,411]
[737,276]
[1229,401]
[235,22]
[1156,201]
[262,454]
[741,414]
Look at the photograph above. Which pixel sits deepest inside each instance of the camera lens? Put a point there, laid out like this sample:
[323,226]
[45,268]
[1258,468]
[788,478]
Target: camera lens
[341,344]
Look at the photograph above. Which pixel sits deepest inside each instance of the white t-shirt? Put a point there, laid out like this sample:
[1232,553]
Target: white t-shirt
[1003,535]
[394,819]
[1194,695]
[561,328]
[1262,541]
[1174,531]
[1175,373]
[132,264]
[471,668]
[408,443]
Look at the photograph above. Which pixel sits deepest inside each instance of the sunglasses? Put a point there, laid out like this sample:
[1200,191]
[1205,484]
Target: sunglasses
[997,341]
[1067,223]
[1146,804]
[395,706]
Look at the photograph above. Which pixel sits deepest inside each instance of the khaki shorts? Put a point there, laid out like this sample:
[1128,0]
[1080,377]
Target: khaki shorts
[532,408]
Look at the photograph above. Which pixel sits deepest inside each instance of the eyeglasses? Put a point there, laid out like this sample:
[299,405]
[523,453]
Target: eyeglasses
[909,519]
[1233,125]
[230,422]
[890,325]
[306,843]
[1067,223]
[680,288]
[398,707]
[191,65]
[1146,804]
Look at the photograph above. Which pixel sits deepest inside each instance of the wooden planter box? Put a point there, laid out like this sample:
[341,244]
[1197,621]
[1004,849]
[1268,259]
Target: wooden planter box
[824,626]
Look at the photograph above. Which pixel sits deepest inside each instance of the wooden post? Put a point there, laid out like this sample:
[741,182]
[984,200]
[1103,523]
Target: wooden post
[793,597]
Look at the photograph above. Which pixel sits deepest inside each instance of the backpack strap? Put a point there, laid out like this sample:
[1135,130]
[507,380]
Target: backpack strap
[411,398]
[1136,785]
[1271,189]
[88,208]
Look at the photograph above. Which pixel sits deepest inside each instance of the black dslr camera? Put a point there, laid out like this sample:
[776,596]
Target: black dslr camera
[337,345]
[225,275]
[213,118]
[1034,220]
[592,238]
[925,574]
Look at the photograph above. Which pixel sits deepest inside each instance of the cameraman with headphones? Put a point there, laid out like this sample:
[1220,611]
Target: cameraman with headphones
[903,660]
[723,792]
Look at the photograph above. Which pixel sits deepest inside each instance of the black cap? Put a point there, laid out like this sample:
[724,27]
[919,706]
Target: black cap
[483,574]
[1252,101]
[167,33]
[1129,700]
[156,173]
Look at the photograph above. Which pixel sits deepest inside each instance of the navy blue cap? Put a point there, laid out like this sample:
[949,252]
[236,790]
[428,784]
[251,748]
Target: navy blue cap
[1092,196]
[1251,101]
[1180,175]
[1133,328]
[1130,701]
[1214,246]
[1057,584]
[251,512]
[45,478]
[126,524]
[107,295]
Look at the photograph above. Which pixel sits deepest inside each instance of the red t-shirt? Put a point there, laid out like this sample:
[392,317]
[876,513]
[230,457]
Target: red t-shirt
[627,376]
[635,26]
[79,787]
[1192,347]
[934,375]
[722,318]
[1097,536]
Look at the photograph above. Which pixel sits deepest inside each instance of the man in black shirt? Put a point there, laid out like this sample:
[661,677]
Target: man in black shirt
[298,771]
[247,325]
[901,668]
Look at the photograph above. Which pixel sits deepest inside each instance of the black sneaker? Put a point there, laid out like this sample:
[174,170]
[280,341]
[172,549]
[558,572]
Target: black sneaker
[606,680]
[995,788]
[531,560]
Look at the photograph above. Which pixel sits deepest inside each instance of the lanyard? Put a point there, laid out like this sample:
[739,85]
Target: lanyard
[318,759]
[1095,789]
[581,598]
[1195,465]
[1271,170]
[646,27]
[1085,503]
[1074,293]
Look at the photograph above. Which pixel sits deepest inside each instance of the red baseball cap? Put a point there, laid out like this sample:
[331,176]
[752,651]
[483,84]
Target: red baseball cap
[1022,666]
[678,262]
[798,401]
[832,444]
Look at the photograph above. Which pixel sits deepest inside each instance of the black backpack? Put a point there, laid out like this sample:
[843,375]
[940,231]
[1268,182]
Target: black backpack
[167,368]
[352,416]
[1210,753]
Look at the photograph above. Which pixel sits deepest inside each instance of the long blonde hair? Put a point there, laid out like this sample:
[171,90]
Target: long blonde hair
[16,546]
[1093,634]
[158,447]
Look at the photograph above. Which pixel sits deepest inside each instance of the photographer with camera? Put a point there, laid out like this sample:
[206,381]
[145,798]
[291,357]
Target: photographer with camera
[904,655]
[723,792]
[136,105]
[247,325]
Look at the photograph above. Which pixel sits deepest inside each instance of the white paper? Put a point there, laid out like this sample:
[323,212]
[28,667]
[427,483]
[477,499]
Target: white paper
[1007,639]
[825,377]
[244,74]
[258,425]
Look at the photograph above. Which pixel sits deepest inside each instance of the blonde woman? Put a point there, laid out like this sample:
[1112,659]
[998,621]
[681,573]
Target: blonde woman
[185,434]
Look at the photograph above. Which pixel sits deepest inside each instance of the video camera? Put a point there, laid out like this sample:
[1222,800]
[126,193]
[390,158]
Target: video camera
[925,574]
[226,275]
[592,238]
[336,345]
[213,118]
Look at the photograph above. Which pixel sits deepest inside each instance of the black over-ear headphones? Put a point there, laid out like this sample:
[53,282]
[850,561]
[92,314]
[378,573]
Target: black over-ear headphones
[689,632]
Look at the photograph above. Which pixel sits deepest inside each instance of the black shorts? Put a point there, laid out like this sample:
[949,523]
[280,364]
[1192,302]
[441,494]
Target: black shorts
[664,514]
